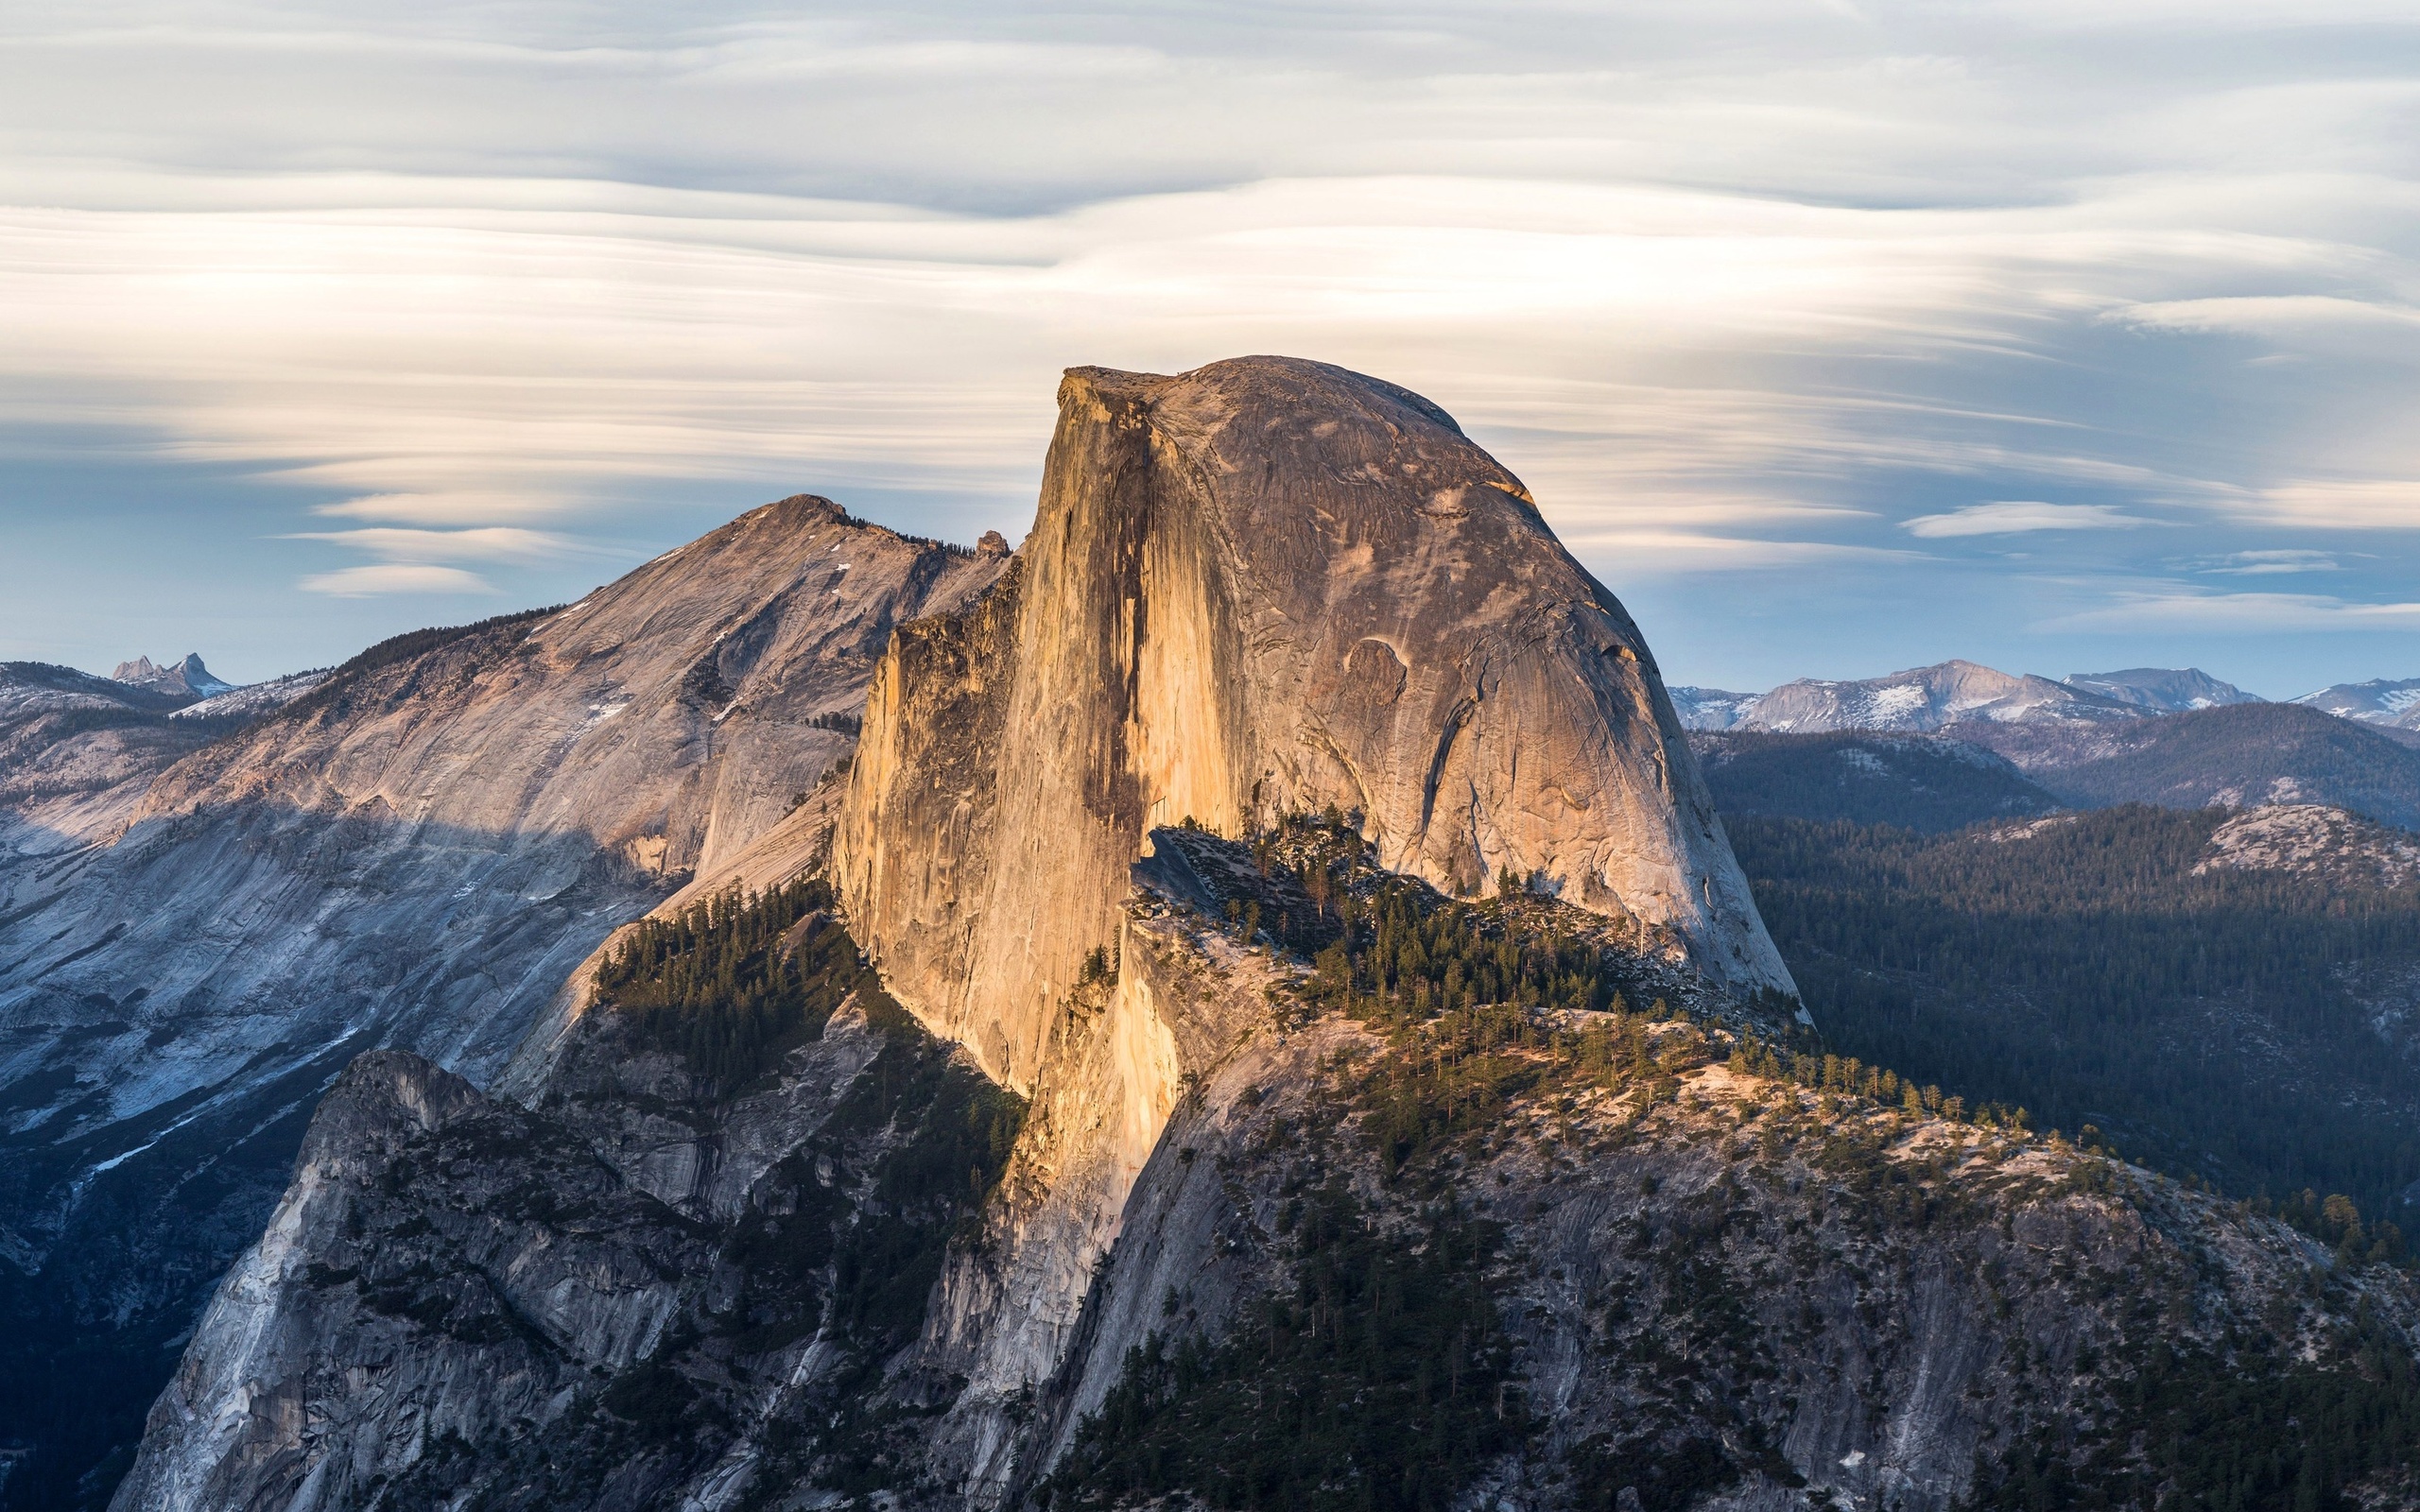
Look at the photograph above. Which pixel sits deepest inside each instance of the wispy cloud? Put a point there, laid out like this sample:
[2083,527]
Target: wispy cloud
[1729,284]
[395,578]
[453,507]
[2011,517]
[1636,554]
[2362,504]
[2269,563]
[481,544]
[2237,613]
[2376,328]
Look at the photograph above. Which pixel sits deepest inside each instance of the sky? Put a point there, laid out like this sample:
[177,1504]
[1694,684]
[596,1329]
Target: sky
[1834,338]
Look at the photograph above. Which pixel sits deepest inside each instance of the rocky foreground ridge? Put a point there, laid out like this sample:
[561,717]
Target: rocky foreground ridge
[1393,1245]
[1268,1019]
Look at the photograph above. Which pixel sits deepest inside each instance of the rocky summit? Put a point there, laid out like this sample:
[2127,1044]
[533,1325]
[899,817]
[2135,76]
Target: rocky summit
[187,678]
[1242,1003]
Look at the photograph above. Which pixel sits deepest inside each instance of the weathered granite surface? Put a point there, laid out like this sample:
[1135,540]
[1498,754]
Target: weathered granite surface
[1266,585]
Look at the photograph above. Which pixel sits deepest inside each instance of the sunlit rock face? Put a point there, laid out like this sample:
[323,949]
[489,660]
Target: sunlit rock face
[1266,584]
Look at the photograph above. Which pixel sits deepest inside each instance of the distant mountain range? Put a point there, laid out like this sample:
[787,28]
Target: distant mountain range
[68,737]
[2161,690]
[1916,700]
[2232,756]
[1923,699]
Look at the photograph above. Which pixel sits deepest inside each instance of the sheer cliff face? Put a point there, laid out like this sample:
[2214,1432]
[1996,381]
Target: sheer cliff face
[1266,584]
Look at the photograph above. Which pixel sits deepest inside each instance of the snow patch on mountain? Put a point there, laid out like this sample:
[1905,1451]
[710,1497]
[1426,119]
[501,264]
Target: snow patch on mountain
[2379,701]
[1927,698]
[1922,700]
[256,700]
[1711,708]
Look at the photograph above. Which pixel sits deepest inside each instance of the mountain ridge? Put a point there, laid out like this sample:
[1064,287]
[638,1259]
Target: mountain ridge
[415,853]
[2231,756]
[2384,702]
[2161,690]
[1928,699]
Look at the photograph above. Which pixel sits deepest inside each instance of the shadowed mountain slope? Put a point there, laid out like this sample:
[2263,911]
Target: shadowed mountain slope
[2241,755]
[2235,994]
[415,854]
[1915,781]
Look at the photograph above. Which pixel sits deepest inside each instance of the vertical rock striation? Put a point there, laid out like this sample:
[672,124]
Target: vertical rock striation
[1264,585]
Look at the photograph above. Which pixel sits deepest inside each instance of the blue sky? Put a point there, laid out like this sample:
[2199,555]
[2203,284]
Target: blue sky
[1835,338]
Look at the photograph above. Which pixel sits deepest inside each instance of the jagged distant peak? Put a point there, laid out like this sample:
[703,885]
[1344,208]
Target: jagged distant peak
[2390,701]
[2162,690]
[186,676]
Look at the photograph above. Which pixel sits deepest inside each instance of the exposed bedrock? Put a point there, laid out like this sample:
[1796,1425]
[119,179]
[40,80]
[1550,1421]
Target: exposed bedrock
[1266,584]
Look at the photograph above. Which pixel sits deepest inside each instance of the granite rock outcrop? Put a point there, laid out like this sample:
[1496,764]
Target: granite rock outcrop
[1720,1282]
[1266,585]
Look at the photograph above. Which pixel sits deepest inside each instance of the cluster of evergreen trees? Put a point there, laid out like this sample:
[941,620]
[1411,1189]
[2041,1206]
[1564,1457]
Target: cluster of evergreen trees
[1278,1415]
[734,981]
[2213,1020]
[1381,1381]
[1389,947]
[2256,1430]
